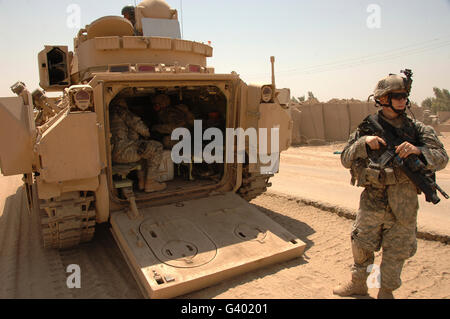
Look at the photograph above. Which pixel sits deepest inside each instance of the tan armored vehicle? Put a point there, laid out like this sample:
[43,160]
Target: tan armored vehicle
[198,228]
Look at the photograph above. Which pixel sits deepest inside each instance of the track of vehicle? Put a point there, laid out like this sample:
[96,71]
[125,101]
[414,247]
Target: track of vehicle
[68,220]
[29,271]
[253,184]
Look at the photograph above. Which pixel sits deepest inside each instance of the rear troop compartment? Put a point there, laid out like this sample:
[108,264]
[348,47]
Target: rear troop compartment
[207,103]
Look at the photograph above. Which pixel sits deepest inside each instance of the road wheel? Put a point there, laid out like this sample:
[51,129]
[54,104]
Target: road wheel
[253,184]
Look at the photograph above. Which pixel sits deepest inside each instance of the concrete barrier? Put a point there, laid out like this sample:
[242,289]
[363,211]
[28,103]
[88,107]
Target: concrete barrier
[332,122]
[417,111]
[312,127]
[444,128]
[336,122]
[296,116]
[357,113]
[443,116]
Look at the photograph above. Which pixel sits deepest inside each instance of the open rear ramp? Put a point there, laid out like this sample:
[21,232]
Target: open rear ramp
[176,249]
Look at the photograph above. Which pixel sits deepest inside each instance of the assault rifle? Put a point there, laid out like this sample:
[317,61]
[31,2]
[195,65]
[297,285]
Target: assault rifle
[412,166]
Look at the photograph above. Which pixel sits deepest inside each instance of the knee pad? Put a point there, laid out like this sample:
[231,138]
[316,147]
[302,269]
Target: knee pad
[362,255]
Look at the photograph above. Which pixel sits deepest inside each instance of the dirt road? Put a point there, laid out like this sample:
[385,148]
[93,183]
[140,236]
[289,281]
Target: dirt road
[316,173]
[28,271]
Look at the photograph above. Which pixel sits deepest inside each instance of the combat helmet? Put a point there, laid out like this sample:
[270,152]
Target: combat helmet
[389,84]
[392,84]
[130,11]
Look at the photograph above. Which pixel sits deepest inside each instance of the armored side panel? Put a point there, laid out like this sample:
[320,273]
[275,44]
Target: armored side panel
[161,28]
[68,150]
[272,115]
[101,52]
[336,118]
[266,115]
[16,132]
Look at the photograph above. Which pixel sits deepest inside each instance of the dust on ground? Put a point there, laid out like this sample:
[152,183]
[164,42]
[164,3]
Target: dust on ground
[320,155]
[29,271]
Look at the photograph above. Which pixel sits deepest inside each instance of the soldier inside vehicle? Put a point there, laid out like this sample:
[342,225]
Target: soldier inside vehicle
[141,123]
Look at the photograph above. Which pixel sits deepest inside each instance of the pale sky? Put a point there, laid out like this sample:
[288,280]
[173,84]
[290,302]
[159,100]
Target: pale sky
[336,49]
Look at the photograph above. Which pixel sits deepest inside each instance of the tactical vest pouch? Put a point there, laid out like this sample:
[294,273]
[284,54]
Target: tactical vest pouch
[357,172]
[371,177]
[360,177]
[389,176]
[378,178]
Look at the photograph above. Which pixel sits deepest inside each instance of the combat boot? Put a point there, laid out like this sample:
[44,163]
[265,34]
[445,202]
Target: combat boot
[153,186]
[351,288]
[385,293]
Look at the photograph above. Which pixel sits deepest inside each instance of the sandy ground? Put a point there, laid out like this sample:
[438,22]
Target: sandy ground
[29,271]
[316,173]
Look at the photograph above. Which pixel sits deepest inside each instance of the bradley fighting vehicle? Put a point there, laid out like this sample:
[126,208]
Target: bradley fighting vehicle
[200,229]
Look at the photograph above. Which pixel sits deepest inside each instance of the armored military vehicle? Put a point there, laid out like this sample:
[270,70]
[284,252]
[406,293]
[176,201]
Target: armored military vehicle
[200,228]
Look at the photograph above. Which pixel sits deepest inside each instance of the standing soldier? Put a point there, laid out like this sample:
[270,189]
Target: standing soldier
[129,147]
[387,215]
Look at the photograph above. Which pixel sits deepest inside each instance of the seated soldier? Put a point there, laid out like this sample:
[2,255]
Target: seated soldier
[130,144]
[169,118]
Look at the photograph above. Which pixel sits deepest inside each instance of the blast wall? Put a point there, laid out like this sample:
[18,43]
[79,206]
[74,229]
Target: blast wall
[332,122]
[443,116]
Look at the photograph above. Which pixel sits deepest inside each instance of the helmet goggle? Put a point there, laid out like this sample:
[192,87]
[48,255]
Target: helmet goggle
[398,96]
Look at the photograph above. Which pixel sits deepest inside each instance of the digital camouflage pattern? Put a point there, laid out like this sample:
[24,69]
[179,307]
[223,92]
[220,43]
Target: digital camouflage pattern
[387,215]
[171,118]
[127,144]
[389,84]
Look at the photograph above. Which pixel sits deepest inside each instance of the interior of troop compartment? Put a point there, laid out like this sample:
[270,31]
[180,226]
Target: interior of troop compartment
[205,103]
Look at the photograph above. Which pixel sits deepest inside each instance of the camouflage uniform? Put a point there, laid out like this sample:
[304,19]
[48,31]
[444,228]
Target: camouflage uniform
[171,118]
[387,216]
[128,147]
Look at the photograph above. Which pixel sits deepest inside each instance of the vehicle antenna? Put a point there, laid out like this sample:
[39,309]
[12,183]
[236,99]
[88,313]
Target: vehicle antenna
[181,9]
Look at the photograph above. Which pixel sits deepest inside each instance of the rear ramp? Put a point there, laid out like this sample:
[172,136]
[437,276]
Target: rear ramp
[176,249]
